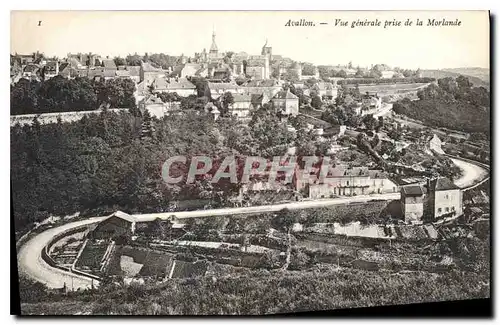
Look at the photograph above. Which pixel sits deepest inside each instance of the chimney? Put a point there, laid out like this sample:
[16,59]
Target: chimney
[57,67]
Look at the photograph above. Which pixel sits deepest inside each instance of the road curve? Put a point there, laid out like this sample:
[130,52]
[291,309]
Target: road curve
[472,173]
[31,264]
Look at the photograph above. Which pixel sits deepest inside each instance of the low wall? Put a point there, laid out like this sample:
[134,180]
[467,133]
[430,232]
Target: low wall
[50,261]
[47,118]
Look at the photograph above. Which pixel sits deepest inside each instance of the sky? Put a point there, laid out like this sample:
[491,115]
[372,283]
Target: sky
[118,33]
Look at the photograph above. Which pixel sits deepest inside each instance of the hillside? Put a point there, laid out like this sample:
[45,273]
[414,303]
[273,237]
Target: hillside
[481,73]
[476,81]
[453,104]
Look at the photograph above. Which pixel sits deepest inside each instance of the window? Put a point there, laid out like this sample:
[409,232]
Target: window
[439,210]
[347,183]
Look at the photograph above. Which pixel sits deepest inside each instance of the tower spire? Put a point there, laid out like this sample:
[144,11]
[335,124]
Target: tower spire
[213,47]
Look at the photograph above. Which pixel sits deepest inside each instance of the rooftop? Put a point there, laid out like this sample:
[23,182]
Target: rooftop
[242,98]
[285,95]
[412,190]
[443,184]
[123,215]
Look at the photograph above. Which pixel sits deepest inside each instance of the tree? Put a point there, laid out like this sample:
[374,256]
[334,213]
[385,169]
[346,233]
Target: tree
[291,76]
[147,126]
[119,61]
[370,122]
[375,72]
[316,102]
[342,74]
[134,59]
[227,100]
[463,83]
[284,221]
[201,86]
[359,74]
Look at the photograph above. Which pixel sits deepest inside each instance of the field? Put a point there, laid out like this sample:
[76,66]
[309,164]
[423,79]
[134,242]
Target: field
[142,261]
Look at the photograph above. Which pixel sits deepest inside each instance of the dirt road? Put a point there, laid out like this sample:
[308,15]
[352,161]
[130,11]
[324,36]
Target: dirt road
[472,174]
[30,262]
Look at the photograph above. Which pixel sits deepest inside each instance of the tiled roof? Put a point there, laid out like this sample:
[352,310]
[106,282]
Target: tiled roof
[123,215]
[377,174]
[285,95]
[242,98]
[356,171]
[412,190]
[63,66]
[262,83]
[222,85]
[135,71]
[148,67]
[182,83]
[109,64]
[443,184]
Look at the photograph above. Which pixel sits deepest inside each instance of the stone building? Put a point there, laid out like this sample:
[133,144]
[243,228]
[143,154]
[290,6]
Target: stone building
[346,181]
[412,203]
[426,203]
[286,103]
[445,198]
[181,86]
[241,106]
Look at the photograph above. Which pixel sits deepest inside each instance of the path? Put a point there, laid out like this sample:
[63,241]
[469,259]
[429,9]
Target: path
[472,173]
[30,262]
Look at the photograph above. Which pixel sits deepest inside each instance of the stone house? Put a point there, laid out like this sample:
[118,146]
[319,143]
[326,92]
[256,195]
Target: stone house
[412,203]
[286,103]
[181,86]
[241,107]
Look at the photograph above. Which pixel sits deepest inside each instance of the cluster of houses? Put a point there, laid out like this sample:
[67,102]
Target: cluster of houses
[93,66]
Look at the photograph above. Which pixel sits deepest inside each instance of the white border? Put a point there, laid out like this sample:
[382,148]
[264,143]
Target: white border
[194,5]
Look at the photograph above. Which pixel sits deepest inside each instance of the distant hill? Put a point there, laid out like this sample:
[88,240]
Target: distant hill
[471,73]
[481,73]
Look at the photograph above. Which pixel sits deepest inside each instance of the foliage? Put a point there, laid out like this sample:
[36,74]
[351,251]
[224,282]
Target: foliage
[271,292]
[59,94]
[453,104]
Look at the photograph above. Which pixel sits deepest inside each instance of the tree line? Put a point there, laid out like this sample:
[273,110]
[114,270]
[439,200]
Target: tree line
[59,94]
[110,161]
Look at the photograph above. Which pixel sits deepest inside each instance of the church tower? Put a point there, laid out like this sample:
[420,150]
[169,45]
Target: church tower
[214,51]
[267,52]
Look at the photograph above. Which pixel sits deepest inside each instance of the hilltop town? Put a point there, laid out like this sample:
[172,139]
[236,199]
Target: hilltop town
[404,199]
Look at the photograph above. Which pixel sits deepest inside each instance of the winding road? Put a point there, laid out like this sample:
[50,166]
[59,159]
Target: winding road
[31,263]
[472,174]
